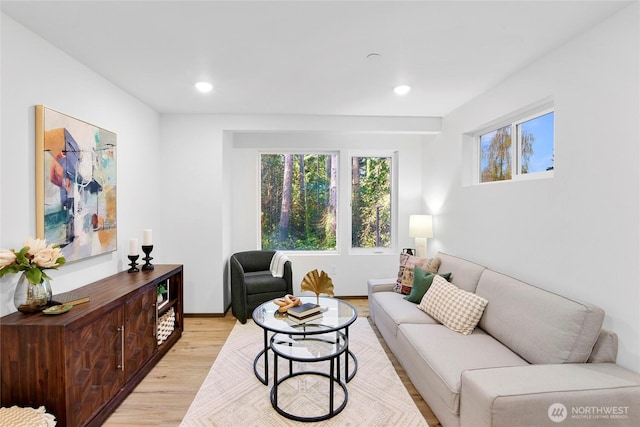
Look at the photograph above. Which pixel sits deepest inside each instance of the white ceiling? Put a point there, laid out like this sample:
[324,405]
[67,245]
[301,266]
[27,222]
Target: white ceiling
[307,57]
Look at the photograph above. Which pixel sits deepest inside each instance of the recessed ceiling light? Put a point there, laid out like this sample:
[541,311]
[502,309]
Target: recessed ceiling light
[204,87]
[373,56]
[402,89]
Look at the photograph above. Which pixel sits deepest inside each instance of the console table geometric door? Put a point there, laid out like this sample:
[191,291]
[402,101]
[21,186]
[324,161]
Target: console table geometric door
[81,364]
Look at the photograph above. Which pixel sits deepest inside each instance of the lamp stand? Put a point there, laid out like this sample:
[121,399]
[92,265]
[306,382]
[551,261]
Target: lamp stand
[421,247]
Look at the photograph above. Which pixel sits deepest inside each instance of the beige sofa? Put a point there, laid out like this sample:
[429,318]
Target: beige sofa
[535,359]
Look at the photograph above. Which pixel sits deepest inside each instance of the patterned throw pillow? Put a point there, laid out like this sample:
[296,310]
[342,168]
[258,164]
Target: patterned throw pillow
[409,261]
[456,309]
[405,284]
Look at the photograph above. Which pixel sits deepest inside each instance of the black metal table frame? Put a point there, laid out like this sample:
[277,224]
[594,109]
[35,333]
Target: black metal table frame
[333,376]
[318,329]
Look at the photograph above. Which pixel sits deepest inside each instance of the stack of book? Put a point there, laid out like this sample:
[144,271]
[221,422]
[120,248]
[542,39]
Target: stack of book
[304,313]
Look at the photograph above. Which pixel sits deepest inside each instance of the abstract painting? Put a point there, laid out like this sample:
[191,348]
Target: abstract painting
[75,185]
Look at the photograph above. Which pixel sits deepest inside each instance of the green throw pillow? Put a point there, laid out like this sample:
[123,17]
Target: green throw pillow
[422,280]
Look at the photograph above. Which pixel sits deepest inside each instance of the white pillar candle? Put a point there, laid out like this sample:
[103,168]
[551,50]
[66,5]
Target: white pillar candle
[133,246]
[146,237]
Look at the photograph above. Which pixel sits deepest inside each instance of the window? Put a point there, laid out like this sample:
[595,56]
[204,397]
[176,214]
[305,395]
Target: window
[371,202]
[531,153]
[298,196]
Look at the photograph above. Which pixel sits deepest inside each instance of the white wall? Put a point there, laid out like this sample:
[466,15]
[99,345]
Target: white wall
[211,183]
[578,233]
[35,72]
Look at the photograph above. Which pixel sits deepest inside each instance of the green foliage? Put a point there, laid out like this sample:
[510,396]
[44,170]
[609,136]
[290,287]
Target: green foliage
[309,203]
[371,202]
[312,222]
[32,265]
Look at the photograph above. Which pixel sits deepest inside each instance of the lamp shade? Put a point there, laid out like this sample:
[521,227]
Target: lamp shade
[420,226]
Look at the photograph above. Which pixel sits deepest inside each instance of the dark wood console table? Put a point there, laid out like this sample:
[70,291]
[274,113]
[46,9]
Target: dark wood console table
[82,364]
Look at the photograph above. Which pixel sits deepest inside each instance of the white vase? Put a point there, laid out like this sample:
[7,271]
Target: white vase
[30,298]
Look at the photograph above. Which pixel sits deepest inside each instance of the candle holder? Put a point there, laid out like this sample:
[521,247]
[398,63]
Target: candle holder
[133,264]
[147,259]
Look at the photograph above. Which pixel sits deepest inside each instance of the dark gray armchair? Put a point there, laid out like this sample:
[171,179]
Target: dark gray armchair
[252,282]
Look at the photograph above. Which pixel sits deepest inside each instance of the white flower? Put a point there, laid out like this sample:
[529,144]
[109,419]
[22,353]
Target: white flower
[35,245]
[7,257]
[47,257]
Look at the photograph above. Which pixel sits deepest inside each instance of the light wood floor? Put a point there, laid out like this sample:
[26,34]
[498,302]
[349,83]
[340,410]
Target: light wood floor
[163,397]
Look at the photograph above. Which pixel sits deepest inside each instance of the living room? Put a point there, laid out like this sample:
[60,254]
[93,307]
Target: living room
[192,177]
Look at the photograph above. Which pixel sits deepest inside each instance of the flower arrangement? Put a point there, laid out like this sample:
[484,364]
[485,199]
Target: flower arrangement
[32,259]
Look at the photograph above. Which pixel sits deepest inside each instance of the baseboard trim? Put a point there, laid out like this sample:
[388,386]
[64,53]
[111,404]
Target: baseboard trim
[204,314]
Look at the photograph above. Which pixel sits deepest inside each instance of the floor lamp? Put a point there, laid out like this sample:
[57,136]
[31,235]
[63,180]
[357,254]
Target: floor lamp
[421,227]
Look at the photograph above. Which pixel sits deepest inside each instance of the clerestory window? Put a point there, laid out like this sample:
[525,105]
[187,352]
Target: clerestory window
[521,148]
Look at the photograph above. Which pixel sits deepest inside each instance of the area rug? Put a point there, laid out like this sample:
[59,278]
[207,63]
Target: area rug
[231,395]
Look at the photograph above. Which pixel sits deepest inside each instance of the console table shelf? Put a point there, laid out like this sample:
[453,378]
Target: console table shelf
[82,364]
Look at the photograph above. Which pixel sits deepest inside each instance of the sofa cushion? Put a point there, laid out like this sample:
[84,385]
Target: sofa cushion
[591,394]
[458,310]
[465,274]
[542,327]
[435,358]
[399,310]
[405,273]
[422,281]
[260,282]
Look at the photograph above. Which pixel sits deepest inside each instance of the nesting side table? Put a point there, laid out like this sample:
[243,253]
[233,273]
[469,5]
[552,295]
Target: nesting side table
[310,349]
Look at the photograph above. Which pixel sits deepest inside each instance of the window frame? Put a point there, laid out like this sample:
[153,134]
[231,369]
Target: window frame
[513,121]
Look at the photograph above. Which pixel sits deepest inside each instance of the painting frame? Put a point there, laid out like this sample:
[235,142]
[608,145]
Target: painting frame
[76,184]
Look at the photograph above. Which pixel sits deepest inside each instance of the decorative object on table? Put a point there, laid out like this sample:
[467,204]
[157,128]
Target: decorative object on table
[284,304]
[133,265]
[147,247]
[69,298]
[57,309]
[75,184]
[318,283]
[33,290]
[147,259]
[421,228]
[133,256]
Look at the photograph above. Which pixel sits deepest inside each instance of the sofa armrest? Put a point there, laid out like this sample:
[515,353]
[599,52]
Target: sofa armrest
[582,394]
[605,349]
[380,285]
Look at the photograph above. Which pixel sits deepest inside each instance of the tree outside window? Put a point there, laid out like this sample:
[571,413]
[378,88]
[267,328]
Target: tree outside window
[298,201]
[371,202]
[532,152]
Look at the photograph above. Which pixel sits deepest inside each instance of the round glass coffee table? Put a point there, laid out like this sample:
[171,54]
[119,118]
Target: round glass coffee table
[310,349]
[338,315]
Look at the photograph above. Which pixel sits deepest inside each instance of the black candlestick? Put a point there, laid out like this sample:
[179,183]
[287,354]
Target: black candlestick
[133,264]
[147,259]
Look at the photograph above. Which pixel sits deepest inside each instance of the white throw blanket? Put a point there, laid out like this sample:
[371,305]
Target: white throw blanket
[277,264]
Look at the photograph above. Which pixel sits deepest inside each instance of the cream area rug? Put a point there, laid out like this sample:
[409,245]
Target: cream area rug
[231,395]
